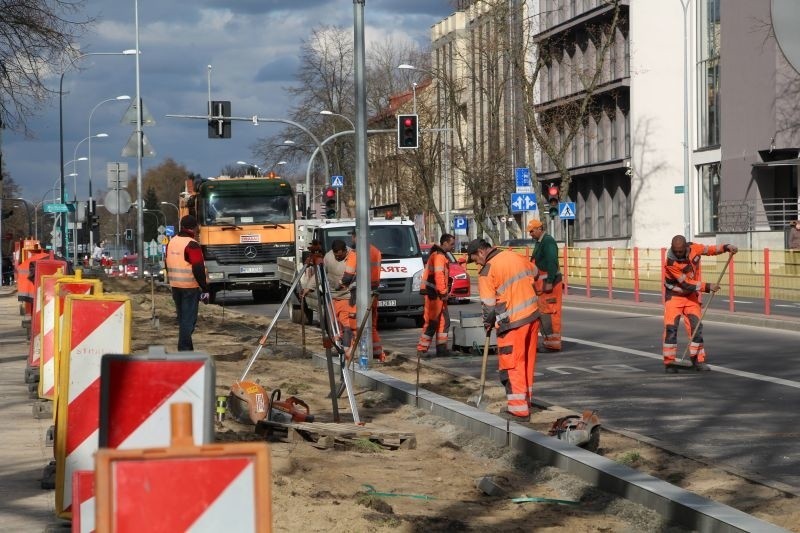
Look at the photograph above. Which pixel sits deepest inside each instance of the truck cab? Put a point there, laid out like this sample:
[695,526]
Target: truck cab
[401,263]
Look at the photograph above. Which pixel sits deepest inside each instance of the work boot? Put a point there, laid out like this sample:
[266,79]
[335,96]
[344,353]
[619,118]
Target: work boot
[700,366]
[504,414]
[442,351]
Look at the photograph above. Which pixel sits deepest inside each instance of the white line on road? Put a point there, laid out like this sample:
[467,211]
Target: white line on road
[717,368]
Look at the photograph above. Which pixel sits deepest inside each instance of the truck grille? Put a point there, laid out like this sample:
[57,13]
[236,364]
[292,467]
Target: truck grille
[247,253]
[393,286]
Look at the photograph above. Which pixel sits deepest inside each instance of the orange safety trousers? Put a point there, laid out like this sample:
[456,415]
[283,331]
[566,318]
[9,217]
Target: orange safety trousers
[688,309]
[516,356]
[377,348]
[550,308]
[437,323]
[341,311]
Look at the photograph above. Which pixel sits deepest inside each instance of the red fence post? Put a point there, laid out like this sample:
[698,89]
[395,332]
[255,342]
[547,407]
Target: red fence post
[610,253]
[766,283]
[565,271]
[636,274]
[588,272]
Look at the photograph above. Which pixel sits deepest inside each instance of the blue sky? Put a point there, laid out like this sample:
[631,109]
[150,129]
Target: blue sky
[253,47]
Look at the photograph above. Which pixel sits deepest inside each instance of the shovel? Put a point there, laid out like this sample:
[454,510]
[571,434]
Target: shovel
[477,399]
[682,361]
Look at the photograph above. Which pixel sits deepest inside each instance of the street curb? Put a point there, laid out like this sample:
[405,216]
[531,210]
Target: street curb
[676,505]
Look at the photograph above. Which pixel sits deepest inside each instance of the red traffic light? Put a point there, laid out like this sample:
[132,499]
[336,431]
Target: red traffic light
[552,191]
[330,193]
[408,122]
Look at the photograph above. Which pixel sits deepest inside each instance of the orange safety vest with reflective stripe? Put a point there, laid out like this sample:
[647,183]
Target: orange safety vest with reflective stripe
[436,276]
[25,285]
[505,285]
[179,270]
[682,277]
[349,276]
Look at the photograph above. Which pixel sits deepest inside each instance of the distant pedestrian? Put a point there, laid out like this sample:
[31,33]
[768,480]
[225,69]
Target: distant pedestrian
[793,257]
[186,272]
[435,288]
[549,284]
[794,236]
[683,284]
[509,303]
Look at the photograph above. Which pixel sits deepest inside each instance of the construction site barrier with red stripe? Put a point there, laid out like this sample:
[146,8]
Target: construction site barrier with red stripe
[64,286]
[47,353]
[83,501]
[137,390]
[94,325]
[44,267]
[219,487]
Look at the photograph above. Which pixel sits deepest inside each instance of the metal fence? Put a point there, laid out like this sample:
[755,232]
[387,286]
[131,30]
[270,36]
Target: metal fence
[752,215]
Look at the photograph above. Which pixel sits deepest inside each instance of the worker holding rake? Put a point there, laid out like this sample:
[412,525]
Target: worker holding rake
[683,285]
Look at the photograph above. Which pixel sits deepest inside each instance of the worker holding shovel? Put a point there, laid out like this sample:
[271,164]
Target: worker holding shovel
[683,285]
[505,285]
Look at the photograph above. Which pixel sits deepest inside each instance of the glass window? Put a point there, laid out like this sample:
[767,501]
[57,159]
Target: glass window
[600,200]
[709,197]
[601,138]
[708,72]
[613,129]
[627,121]
[587,144]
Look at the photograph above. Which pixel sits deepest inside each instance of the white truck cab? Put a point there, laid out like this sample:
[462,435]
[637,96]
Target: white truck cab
[401,264]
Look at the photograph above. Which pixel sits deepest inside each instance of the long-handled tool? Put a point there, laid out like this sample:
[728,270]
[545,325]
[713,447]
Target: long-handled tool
[477,399]
[703,312]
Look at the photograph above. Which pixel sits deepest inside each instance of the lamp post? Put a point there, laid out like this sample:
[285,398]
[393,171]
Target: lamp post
[253,165]
[177,213]
[332,114]
[279,163]
[406,66]
[75,194]
[121,98]
[61,125]
[687,216]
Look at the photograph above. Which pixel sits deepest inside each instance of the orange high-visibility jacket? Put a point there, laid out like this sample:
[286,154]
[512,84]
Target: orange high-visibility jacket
[505,285]
[682,277]
[179,270]
[25,285]
[436,275]
[349,276]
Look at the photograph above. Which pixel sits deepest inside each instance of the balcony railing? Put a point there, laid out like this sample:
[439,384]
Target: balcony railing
[752,215]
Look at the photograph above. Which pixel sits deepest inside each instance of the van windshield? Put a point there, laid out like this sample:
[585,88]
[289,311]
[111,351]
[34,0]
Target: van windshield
[394,242]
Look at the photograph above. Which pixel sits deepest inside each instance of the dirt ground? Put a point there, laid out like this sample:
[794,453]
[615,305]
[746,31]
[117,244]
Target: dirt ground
[433,486]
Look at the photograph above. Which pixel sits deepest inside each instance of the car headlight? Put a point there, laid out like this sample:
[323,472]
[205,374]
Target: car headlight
[416,281]
[216,275]
[463,275]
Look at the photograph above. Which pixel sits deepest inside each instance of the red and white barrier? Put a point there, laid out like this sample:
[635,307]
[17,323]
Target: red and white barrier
[137,390]
[64,286]
[93,326]
[220,487]
[48,345]
[44,267]
[83,501]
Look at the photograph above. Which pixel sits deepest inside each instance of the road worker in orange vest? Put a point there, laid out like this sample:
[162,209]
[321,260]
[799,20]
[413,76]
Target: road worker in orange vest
[549,284]
[683,285]
[436,289]
[510,305]
[349,281]
[186,272]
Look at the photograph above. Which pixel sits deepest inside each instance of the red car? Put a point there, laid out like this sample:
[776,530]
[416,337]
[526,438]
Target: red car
[459,279]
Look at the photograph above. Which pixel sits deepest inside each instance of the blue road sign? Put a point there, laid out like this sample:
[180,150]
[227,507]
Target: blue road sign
[337,182]
[169,231]
[523,178]
[460,222]
[566,210]
[521,202]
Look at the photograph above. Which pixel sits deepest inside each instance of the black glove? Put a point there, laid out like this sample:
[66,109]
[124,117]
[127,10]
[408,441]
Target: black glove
[488,321]
[204,297]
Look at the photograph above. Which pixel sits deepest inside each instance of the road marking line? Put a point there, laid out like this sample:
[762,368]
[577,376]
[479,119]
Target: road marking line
[722,369]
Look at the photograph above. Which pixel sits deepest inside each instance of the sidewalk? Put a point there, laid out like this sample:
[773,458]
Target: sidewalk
[24,505]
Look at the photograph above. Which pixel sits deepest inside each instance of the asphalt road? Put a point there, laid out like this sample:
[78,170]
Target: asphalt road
[742,413]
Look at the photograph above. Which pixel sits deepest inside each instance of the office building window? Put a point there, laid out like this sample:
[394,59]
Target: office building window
[587,143]
[627,140]
[613,128]
[601,139]
[709,197]
[708,74]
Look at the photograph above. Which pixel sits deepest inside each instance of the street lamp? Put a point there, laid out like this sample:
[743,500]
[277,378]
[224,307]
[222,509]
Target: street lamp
[406,66]
[177,213]
[61,124]
[253,165]
[332,114]
[687,217]
[75,194]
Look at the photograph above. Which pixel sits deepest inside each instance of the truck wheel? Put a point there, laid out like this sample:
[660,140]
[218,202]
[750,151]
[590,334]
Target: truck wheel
[261,296]
[419,321]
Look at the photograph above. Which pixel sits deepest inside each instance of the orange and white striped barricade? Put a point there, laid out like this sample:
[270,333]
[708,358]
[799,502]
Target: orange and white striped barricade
[64,286]
[137,390]
[47,348]
[216,487]
[44,267]
[93,325]
[83,507]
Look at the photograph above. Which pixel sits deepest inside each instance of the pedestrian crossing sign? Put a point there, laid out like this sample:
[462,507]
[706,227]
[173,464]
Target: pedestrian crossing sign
[337,182]
[566,210]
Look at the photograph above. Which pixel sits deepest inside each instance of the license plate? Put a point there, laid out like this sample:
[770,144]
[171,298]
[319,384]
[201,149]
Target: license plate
[387,303]
[257,269]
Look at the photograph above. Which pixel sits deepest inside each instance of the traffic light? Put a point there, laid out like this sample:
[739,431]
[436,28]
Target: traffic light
[94,220]
[219,128]
[330,202]
[407,131]
[129,234]
[552,194]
